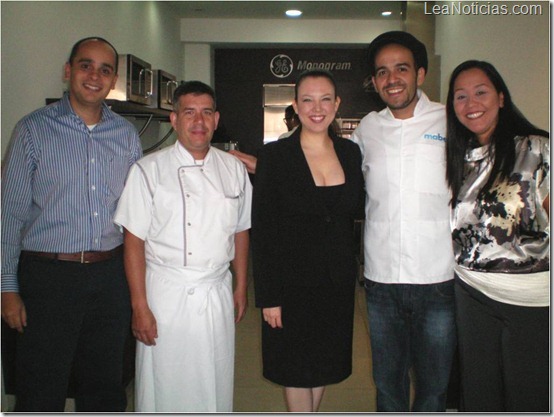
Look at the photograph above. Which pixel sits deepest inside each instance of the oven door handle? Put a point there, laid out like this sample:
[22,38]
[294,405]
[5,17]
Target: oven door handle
[169,91]
[146,72]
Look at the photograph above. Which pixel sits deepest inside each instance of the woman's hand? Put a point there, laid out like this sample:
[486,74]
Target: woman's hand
[249,161]
[272,316]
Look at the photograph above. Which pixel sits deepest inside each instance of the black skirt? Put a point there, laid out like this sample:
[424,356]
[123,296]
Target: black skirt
[314,347]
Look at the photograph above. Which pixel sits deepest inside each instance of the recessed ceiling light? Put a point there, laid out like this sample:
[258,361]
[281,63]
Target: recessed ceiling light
[386,13]
[293,13]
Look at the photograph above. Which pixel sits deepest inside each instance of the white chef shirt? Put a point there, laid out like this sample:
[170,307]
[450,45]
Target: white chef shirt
[187,211]
[407,231]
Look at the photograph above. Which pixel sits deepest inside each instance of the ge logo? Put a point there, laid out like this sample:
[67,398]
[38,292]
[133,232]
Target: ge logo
[281,66]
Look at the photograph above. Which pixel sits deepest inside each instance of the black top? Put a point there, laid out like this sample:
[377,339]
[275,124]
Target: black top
[296,239]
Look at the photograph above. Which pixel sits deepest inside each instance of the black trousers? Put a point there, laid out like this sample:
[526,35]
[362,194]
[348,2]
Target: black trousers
[78,315]
[504,354]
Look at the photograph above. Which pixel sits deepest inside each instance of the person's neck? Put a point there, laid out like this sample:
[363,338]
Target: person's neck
[197,154]
[406,112]
[91,115]
[314,140]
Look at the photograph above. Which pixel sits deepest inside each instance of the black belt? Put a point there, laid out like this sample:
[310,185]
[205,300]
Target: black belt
[81,257]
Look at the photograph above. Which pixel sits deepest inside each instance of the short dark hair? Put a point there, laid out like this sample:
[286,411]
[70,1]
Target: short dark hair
[290,114]
[77,45]
[192,87]
[401,38]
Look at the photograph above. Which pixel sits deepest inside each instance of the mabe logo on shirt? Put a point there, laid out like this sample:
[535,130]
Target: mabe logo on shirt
[432,136]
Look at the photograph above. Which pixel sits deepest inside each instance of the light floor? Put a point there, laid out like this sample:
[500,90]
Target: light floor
[253,393]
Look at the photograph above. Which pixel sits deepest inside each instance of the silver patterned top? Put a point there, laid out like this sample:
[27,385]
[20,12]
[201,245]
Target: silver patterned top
[506,229]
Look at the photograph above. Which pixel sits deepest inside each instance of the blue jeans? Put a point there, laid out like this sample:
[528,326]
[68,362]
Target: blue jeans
[411,327]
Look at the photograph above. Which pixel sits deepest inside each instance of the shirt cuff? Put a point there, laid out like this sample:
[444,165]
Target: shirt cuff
[9,283]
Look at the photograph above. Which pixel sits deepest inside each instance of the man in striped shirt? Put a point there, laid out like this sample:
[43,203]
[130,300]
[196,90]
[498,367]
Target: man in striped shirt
[63,282]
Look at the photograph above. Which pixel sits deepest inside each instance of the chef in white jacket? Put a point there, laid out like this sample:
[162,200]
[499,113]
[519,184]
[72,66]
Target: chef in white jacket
[185,211]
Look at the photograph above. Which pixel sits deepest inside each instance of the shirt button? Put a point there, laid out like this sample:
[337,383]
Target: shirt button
[190,253]
[190,291]
[188,224]
[93,187]
[92,160]
[95,213]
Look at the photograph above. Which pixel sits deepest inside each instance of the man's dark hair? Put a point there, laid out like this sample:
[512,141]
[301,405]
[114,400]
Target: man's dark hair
[75,49]
[290,114]
[192,87]
[401,38]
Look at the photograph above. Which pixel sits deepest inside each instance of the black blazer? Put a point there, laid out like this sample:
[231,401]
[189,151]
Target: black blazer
[296,241]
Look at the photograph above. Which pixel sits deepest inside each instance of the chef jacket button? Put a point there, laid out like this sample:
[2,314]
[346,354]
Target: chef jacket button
[188,224]
[190,291]
[190,253]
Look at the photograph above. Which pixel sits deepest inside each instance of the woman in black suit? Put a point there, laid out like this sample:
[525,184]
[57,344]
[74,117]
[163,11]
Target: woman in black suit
[308,190]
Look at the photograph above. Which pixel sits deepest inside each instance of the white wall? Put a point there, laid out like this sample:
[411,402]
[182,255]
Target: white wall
[518,46]
[307,31]
[199,34]
[37,37]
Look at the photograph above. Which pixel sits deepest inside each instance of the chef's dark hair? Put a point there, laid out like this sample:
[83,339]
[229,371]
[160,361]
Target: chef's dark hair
[192,87]
[77,45]
[401,38]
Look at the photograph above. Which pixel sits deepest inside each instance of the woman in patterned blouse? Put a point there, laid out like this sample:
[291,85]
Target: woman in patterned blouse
[498,167]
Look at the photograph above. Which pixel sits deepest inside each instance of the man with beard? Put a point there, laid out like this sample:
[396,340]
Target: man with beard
[408,251]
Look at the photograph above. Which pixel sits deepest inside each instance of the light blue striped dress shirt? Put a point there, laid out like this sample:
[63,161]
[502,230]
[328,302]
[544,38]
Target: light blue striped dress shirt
[61,183]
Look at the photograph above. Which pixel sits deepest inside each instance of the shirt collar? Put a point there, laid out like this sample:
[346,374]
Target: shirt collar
[185,156]
[477,154]
[66,109]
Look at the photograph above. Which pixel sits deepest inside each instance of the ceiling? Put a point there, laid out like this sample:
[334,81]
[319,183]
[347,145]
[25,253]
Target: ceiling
[276,9]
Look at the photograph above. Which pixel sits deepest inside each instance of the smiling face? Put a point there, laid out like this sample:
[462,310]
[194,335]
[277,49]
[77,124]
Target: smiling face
[91,75]
[316,103]
[477,103]
[195,121]
[396,79]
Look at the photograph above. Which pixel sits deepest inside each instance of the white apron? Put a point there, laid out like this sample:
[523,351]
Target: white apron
[195,321]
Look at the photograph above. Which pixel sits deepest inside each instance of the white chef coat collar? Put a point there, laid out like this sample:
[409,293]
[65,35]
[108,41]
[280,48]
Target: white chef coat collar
[421,105]
[185,156]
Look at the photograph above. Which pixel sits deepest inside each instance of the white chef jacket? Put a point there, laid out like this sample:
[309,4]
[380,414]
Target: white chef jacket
[188,213]
[407,232]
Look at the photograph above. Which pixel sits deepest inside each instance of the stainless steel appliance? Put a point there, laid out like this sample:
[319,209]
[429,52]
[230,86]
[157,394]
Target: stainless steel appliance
[226,146]
[135,81]
[276,99]
[166,84]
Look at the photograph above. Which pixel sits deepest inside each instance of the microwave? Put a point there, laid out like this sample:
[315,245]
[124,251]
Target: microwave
[166,84]
[135,81]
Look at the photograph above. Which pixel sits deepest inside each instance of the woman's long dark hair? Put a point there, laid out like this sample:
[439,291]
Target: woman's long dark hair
[511,123]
